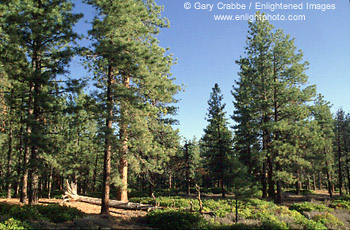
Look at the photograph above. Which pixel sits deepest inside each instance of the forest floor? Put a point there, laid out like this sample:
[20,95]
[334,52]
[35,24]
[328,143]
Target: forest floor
[317,195]
[118,219]
[126,219]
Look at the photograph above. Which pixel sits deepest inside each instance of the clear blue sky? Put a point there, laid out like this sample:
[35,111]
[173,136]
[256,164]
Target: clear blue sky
[207,49]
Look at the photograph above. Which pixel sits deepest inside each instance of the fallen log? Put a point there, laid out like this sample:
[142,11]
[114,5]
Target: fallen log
[71,194]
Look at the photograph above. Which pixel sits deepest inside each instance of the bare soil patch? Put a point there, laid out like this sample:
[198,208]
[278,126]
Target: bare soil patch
[118,219]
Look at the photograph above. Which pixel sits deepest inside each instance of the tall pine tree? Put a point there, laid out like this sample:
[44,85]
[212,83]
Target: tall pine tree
[271,105]
[41,32]
[133,74]
[217,140]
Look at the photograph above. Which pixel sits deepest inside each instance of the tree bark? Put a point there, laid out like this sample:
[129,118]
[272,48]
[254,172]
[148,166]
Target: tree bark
[188,179]
[71,194]
[330,187]
[297,183]
[94,177]
[9,162]
[108,147]
[270,179]
[123,162]
[340,175]
[24,186]
[264,181]
[49,186]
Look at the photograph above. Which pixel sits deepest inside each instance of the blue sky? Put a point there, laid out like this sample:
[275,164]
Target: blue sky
[207,49]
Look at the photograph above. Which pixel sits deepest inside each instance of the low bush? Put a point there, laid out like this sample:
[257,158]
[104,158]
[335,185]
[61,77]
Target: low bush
[327,219]
[59,214]
[52,213]
[174,219]
[343,204]
[309,207]
[13,224]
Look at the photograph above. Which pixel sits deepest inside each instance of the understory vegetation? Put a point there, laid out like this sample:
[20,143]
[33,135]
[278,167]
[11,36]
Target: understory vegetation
[252,214]
[23,217]
[178,213]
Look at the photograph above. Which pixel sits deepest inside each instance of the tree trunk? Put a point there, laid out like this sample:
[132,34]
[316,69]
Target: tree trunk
[94,177]
[340,175]
[49,186]
[36,123]
[236,210]
[314,182]
[108,147]
[170,181]
[223,192]
[188,179]
[24,187]
[270,178]
[9,162]
[298,183]
[264,181]
[71,194]
[330,187]
[123,162]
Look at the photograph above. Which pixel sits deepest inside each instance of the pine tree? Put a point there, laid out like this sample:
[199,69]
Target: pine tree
[132,72]
[271,101]
[191,158]
[41,32]
[341,146]
[324,139]
[217,140]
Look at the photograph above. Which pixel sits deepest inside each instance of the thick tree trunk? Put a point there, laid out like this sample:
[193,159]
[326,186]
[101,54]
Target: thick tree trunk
[124,137]
[36,122]
[108,147]
[71,194]
[24,186]
[34,170]
[330,186]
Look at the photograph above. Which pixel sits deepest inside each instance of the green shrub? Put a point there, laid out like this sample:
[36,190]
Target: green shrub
[26,213]
[272,222]
[308,207]
[53,212]
[12,224]
[327,219]
[345,198]
[174,219]
[343,204]
[59,214]
[179,202]
[301,220]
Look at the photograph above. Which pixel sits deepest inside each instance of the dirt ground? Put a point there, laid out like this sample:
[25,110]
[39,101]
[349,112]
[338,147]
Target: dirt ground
[118,219]
[317,195]
[126,219]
